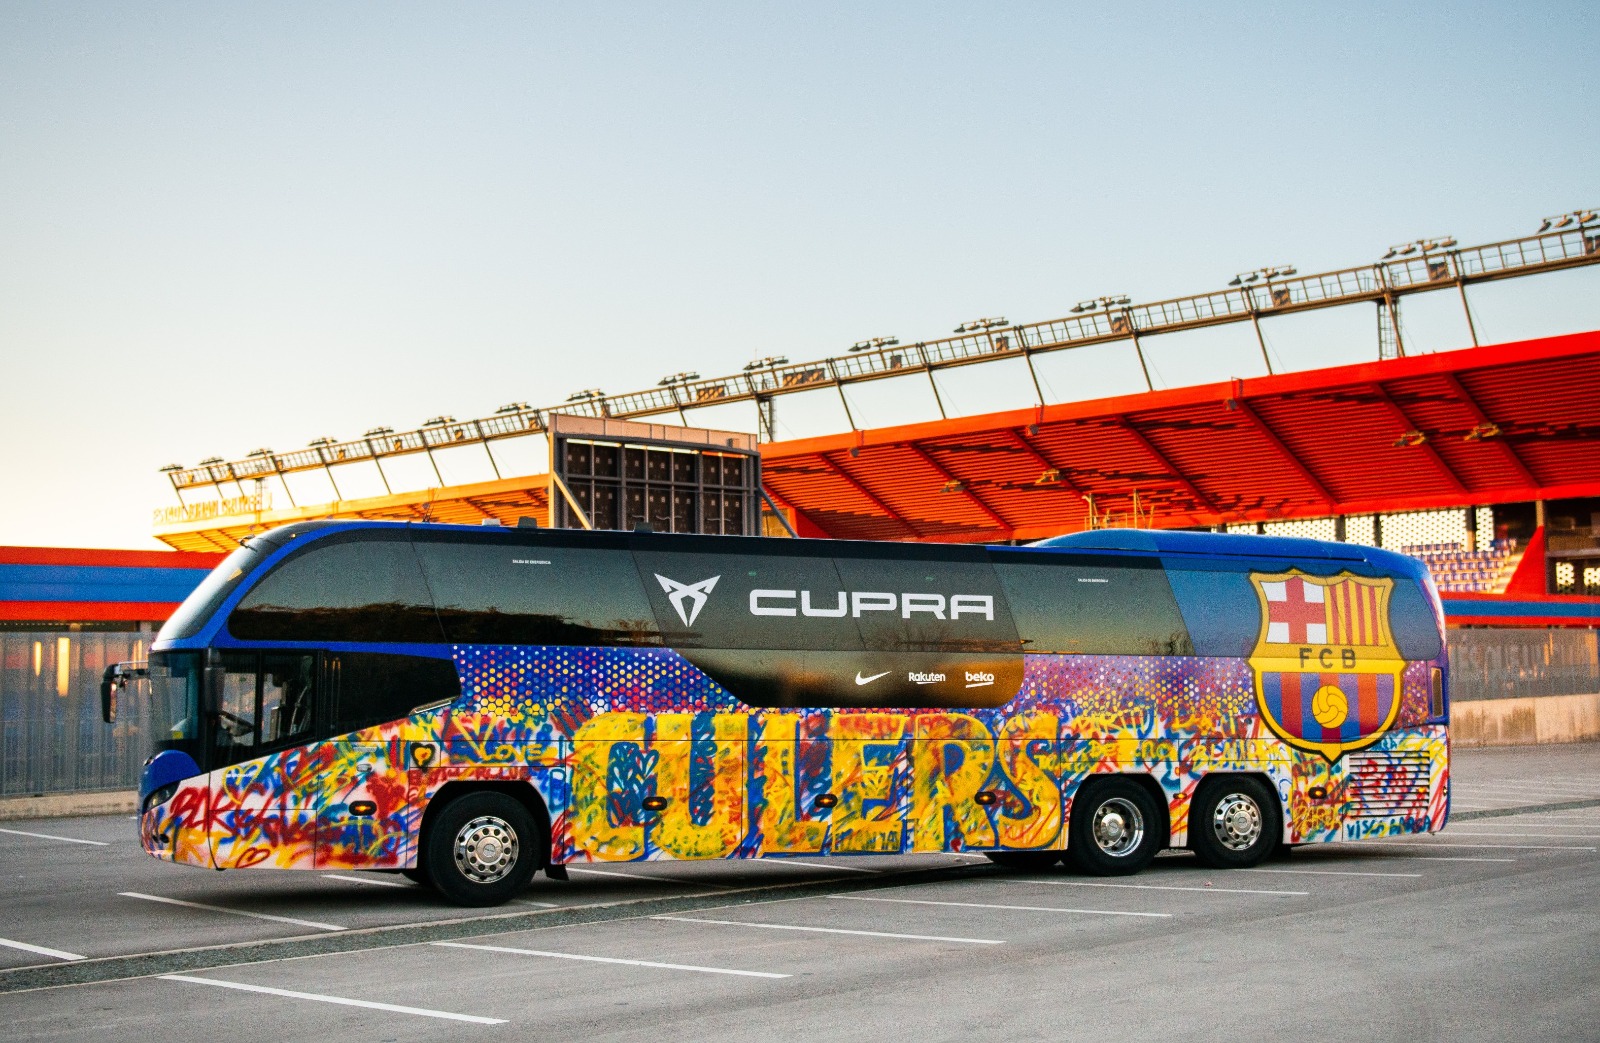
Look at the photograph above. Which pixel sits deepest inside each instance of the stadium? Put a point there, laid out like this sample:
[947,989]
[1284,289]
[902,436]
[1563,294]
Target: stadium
[1483,462]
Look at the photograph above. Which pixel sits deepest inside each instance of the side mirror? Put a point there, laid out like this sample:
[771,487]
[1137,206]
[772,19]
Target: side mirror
[109,683]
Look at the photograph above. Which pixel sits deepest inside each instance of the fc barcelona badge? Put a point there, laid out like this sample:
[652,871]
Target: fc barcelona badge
[1327,670]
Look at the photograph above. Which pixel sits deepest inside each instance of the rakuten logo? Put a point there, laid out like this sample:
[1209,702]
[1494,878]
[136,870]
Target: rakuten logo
[856,603]
[921,678]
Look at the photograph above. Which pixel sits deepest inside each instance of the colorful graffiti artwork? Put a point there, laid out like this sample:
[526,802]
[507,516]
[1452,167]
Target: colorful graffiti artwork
[602,734]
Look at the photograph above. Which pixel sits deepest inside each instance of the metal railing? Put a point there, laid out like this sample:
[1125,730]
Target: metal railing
[1510,663]
[1382,282]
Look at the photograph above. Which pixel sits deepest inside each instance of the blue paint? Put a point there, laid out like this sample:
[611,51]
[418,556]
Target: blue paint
[97,583]
[165,768]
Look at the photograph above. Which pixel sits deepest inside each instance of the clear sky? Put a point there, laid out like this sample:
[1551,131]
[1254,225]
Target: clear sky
[225,226]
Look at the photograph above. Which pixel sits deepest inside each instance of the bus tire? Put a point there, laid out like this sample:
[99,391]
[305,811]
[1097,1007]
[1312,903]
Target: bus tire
[482,849]
[418,875]
[1233,822]
[1116,827]
[1024,861]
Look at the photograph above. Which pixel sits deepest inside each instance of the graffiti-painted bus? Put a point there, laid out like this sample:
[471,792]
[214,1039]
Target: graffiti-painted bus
[471,705]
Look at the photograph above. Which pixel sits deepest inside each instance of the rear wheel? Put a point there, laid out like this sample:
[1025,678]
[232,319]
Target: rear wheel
[482,849]
[1116,827]
[1024,861]
[1233,822]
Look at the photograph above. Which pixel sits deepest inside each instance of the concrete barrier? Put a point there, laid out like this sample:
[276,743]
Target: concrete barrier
[1521,722]
[61,805]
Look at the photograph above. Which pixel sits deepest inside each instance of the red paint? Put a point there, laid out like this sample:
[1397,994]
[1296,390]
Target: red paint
[87,611]
[144,559]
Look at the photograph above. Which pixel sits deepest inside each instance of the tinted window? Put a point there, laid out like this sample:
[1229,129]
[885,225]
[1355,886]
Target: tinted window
[538,592]
[369,689]
[778,595]
[364,586]
[264,702]
[198,607]
[1092,604]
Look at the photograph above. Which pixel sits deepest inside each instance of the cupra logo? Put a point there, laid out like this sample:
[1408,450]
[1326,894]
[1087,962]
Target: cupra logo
[694,593]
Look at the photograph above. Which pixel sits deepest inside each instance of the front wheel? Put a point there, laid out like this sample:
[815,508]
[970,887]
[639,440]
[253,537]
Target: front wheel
[1233,823]
[482,849]
[1116,827]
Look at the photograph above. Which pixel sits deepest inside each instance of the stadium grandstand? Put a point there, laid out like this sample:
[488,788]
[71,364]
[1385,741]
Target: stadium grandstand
[1484,462]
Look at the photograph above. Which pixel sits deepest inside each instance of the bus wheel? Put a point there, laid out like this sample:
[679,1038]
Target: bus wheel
[1024,861]
[482,849]
[419,875]
[1115,827]
[1233,823]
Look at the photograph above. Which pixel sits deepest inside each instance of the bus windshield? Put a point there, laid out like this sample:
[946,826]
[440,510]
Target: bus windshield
[202,604]
[161,703]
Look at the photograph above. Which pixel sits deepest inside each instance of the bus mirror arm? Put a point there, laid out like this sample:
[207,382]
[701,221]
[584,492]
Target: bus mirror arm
[112,682]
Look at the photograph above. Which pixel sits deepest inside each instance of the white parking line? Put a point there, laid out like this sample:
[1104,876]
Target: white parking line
[1448,858]
[813,865]
[1161,887]
[1547,836]
[41,950]
[1013,908]
[340,1000]
[646,876]
[832,930]
[1507,847]
[365,880]
[1328,872]
[234,912]
[609,959]
[52,836]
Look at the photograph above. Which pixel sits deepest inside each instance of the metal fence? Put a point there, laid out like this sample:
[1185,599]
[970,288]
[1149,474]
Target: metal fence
[1511,663]
[52,739]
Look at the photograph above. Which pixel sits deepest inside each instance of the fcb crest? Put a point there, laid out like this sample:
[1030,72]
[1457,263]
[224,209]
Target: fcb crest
[1327,670]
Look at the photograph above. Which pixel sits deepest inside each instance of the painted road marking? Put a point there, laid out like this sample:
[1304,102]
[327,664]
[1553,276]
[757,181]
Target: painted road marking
[813,865]
[1161,887]
[234,912]
[832,930]
[1558,836]
[41,950]
[646,876]
[1327,872]
[340,1000]
[610,959]
[1013,908]
[52,836]
[1507,847]
[1449,858]
[365,880]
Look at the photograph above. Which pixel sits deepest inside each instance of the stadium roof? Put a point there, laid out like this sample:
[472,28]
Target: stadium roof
[1502,423]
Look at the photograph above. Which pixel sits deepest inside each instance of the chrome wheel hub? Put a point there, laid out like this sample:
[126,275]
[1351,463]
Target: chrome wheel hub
[1237,822]
[1118,827]
[486,849]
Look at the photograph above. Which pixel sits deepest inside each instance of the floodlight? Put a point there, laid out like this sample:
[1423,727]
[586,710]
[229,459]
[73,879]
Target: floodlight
[380,431]
[512,407]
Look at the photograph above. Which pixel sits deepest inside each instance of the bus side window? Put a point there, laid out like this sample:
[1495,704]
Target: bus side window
[362,586]
[517,591]
[237,693]
[286,697]
[1093,604]
[367,689]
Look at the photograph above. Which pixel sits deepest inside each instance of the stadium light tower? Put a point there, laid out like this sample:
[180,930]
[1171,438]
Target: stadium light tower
[1120,319]
[766,408]
[1441,259]
[1264,275]
[672,383]
[979,325]
[1573,221]
[874,343]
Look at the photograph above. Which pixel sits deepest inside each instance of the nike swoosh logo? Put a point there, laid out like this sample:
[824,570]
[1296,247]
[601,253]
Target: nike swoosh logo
[869,680]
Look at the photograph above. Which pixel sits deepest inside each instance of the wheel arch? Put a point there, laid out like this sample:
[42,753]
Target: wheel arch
[1144,781]
[1217,778]
[522,791]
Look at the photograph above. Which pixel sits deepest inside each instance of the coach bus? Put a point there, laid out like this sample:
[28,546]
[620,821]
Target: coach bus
[469,705]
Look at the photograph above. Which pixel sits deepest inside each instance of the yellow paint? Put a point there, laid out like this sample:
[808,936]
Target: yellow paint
[1041,826]
[864,748]
[782,828]
[937,787]
[677,832]
[592,828]
[63,665]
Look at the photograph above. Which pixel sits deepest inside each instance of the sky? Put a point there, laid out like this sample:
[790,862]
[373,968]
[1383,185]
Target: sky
[224,227]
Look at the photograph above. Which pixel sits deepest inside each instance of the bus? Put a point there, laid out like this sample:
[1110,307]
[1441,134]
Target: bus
[470,705]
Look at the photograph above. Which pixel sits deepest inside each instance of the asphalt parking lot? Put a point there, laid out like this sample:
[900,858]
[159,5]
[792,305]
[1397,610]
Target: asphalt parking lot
[1486,931]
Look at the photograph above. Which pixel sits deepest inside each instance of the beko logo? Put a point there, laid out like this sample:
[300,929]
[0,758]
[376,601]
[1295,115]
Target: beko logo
[857,603]
[979,679]
[694,593]
[921,678]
